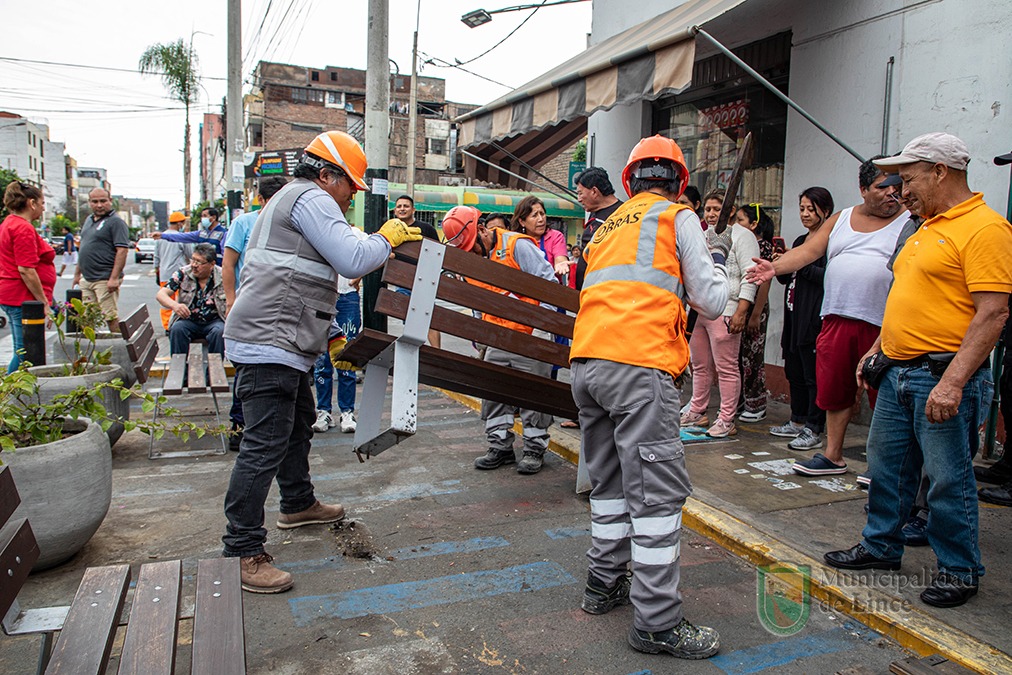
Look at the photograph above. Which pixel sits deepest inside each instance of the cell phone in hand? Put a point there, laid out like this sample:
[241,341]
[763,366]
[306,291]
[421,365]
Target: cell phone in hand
[779,245]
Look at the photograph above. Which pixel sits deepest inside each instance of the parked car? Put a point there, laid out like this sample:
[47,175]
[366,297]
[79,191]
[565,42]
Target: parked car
[57,244]
[145,250]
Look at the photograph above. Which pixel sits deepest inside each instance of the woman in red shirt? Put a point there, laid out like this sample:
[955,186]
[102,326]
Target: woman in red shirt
[27,270]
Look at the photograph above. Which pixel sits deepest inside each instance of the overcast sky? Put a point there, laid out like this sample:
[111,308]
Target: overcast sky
[124,121]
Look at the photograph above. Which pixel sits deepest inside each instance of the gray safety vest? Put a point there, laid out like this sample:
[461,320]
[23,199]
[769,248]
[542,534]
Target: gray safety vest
[288,290]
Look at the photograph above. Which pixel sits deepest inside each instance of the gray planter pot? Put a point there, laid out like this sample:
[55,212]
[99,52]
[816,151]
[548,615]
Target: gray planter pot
[66,489]
[65,352]
[52,383]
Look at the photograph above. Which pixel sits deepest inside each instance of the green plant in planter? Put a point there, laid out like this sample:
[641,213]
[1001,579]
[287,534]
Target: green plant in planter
[90,321]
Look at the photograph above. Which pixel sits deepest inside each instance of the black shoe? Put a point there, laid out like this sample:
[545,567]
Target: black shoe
[531,462]
[684,641]
[600,599]
[997,473]
[494,458]
[948,591]
[915,532]
[1001,495]
[858,558]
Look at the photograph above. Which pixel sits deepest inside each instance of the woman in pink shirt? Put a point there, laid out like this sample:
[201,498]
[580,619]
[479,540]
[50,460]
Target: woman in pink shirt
[27,268]
[530,219]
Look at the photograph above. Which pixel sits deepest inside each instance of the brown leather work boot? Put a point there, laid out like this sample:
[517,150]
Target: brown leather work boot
[317,514]
[258,575]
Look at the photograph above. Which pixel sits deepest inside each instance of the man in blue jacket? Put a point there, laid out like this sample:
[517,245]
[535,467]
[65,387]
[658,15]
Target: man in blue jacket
[210,232]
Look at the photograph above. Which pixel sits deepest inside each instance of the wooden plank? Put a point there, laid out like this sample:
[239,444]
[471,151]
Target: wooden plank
[365,346]
[459,292]
[219,640]
[129,325]
[216,373]
[501,276]
[929,665]
[9,497]
[140,341]
[482,332]
[150,645]
[174,378]
[86,639]
[196,380]
[17,555]
[142,368]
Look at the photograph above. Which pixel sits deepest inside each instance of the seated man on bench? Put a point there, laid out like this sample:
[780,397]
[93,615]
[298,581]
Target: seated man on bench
[198,311]
[463,231]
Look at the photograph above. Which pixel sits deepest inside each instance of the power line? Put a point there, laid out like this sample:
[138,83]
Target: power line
[107,68]
[446,64]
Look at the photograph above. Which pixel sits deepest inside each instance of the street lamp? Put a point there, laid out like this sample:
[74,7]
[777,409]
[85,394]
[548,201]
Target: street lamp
[479,17]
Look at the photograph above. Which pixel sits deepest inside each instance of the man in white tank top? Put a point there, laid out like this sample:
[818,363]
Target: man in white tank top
[858,243]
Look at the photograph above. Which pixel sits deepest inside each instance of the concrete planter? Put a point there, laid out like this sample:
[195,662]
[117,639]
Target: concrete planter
[65,352]
[66,489]
[52,382]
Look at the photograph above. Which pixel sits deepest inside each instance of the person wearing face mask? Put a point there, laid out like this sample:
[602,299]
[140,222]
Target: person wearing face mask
[274,333]
[210,231]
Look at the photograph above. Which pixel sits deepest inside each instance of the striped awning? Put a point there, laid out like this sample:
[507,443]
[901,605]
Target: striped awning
[549,114]
[497,202]
[428,201]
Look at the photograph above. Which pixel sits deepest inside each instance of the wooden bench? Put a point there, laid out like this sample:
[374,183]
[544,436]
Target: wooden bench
[423,267]
[87,627]
[201,371]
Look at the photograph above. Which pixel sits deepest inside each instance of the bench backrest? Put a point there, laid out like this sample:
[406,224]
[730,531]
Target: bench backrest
[18,548]
[401,272]
[142,345]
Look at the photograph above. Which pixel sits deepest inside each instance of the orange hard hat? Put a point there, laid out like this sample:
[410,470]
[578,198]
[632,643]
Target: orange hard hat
[177,217]
[460,227]
[656,148]
[341,150]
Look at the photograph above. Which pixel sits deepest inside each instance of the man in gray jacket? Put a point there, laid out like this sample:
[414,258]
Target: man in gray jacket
[274,332]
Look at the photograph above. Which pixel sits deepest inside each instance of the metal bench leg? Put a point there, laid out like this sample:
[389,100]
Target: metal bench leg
[217,420]
[45,651]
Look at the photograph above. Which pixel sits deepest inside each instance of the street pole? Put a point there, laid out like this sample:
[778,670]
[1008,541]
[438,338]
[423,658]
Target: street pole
[413,110]
[234,143]
[377,146]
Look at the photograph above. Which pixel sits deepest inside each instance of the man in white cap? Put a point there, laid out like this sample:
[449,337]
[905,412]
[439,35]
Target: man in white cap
[944,313]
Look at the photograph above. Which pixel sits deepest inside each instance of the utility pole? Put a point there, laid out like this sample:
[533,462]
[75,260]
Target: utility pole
[377,145]
[234,142]
[413,111]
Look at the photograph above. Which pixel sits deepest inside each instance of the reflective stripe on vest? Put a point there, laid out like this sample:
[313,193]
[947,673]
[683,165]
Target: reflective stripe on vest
[643,269]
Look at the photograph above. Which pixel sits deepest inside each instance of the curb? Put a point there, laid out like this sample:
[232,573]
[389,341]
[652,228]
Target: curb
[910,628]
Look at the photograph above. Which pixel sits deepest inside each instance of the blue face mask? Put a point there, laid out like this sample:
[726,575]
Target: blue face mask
[205,223]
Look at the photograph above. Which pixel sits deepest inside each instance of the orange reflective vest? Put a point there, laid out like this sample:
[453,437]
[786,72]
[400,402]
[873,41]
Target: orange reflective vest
[502,252]
[631,307]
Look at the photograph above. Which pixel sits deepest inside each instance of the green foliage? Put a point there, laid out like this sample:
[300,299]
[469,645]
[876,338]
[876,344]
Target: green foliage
[177,64]
[59,221]
[580,151]
[7,176]
[90,321]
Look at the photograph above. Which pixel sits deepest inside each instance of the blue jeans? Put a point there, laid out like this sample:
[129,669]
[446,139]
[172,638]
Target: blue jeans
[901,442]
[277,402]
[349,318]
[13,313]
[184,331]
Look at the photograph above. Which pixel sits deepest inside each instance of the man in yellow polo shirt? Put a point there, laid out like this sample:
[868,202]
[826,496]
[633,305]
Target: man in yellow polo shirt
[944,314]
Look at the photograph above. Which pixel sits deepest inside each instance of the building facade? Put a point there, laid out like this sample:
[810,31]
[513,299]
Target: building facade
[212,158]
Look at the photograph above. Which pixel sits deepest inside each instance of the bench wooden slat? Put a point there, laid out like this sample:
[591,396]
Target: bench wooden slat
[219,641]
[402,274]
[87,636]
[135,320]
[482,332]
[216,373]
[143,365]
[150,645]
[196,378]
[9,497]
[139,342]
[501,276]
[17,555]
[174,378]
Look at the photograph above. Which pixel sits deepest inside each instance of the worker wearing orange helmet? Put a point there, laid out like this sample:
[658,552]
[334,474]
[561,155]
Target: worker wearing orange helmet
[629,346]
[276,329]
[463,229]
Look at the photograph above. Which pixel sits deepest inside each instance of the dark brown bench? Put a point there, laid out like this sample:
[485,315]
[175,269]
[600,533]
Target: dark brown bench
[424,267]
[201,371]
[87,628]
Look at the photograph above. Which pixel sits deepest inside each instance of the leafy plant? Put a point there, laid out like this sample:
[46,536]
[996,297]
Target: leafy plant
[82,354]
[580,151]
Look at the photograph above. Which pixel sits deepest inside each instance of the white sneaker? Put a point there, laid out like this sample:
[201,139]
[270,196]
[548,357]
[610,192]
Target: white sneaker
[348,422]
[324,421]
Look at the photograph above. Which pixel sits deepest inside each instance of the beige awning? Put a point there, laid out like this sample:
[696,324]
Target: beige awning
[547,115]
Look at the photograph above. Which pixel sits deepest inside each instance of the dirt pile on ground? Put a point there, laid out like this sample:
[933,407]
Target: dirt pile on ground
[354,540]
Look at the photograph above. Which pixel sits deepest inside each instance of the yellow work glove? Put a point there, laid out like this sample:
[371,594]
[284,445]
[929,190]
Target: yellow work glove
[397,232]
[335,346]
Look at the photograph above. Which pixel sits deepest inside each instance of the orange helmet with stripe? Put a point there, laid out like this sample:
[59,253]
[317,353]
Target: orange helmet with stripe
[341,150]
[646,162]
[460,227]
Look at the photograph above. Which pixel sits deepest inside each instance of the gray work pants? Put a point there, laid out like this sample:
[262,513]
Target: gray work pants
[634,455]
[499,416]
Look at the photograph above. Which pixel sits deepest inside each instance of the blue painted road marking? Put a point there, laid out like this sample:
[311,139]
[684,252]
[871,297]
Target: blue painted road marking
[568,532]
[761,657]
[429,592]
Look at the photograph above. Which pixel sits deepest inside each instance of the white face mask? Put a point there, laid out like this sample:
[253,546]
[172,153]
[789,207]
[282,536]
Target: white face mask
[205,223]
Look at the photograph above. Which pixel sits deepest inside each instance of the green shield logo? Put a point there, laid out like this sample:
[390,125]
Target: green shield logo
[782,600]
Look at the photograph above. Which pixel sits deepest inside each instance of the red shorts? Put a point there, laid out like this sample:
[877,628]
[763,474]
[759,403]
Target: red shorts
[838,349]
